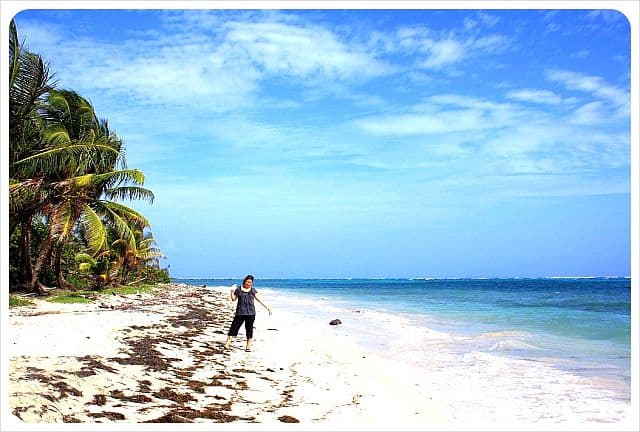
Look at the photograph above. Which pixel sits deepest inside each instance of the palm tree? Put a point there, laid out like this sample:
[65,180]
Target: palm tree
[97,267]
[29,80]
[67,170]
[87,201]
[144,253]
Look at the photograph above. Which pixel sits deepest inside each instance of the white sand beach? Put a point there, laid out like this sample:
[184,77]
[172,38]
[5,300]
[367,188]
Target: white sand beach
[159,358]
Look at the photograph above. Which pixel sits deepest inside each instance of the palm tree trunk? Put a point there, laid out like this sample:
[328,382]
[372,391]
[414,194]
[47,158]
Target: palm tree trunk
[26,268]
[43,257]
[116,278]
[57,265]
[125,271]
[13,224]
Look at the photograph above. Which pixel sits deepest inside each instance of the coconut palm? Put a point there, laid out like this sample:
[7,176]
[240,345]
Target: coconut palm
[87,201]
[29,80]
[67,170]
[144,253]
[78,183]
[97,267]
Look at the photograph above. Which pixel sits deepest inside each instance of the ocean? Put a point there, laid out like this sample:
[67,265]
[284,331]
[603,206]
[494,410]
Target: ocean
[548,348]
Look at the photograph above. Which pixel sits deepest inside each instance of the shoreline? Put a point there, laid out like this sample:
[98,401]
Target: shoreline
[159,358]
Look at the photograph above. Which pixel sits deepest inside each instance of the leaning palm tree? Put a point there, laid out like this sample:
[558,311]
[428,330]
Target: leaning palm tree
[77,171]
[88,201]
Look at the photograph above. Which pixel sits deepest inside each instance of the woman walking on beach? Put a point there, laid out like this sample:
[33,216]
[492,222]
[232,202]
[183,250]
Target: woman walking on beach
[245,310]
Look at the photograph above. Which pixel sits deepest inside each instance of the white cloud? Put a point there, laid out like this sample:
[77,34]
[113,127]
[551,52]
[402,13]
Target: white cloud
[39,34]
[441,114]
[441,53]
[301,52]
[488,19]
[218,72]
[437,50]
[489,44]
[508,140]
[538,96]
[589,113]
[412,124]
[594,85]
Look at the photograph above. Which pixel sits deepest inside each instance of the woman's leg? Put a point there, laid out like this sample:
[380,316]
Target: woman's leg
[248,328]
[233,330]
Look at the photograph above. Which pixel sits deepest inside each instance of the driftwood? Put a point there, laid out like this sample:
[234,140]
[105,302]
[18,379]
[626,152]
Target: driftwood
[136,281]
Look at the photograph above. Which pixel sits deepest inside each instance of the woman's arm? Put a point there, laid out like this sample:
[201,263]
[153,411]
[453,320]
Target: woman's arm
[257,296]
[234,297]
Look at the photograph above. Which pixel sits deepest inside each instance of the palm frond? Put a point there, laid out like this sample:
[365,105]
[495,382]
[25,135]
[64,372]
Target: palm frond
[121,227]
[85,266]
[27,195]
[118,177]
[14,52]
[84,258]
[131,193]
[29,80]
[95,232]
[125,212]
[63,220]
[52,160]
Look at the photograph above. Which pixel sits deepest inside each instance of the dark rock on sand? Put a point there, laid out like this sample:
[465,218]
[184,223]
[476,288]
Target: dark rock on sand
[335,322]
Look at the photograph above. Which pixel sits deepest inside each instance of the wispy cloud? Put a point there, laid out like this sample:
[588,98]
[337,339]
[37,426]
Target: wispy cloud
[616,98]
[589,113]
[538,96]
[441,114]
[301,51]
[502,139]
[222,72]
[211,81]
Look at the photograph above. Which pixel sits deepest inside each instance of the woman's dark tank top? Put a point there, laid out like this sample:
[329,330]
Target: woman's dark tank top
[245,302]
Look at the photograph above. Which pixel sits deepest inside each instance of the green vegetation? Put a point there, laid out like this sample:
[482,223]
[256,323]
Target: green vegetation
[67,178]
[86,296]
[124,290]
[75,297]
[17,301]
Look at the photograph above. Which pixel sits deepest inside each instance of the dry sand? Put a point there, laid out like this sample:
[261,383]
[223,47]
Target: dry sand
[159,359]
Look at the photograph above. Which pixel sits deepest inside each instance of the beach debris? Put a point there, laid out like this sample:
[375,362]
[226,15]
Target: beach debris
[111,415]
[167,393]
[335,322]
[98,399]
[160,349]
[186,415]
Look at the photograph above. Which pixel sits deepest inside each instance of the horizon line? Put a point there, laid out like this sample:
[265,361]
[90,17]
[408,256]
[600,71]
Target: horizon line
[409,278]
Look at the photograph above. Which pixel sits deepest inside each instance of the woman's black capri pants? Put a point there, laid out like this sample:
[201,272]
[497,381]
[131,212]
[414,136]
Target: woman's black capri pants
[248,325]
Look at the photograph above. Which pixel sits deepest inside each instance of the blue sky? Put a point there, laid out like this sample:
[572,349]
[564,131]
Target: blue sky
[365,143]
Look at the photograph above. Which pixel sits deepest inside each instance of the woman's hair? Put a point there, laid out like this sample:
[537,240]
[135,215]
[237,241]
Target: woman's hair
[246,278]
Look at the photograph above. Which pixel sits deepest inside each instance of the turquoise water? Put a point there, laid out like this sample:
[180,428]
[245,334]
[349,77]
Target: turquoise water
[580,327]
